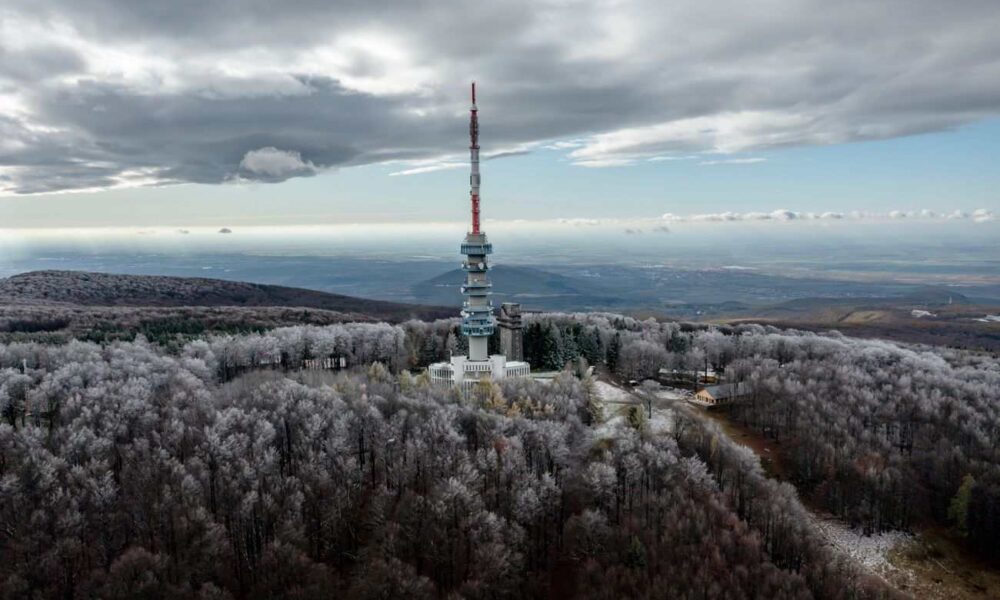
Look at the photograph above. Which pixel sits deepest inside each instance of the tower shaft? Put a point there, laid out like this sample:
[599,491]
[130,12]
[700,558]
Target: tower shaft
[477,311]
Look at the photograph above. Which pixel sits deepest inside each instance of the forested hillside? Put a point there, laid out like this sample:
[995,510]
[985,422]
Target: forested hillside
[105,289]
[885,435]
[224,469]
[128,472]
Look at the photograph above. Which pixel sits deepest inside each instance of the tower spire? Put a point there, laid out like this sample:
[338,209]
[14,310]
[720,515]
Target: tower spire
[474,159]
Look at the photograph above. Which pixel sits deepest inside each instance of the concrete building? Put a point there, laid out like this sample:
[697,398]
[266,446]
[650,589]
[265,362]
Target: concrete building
[511,331]
[478,322]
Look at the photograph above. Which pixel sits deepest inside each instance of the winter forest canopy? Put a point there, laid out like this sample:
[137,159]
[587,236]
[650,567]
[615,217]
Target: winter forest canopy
[217,467]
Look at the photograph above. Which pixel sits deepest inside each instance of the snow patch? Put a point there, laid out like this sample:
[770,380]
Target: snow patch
[609,393]
[871,551]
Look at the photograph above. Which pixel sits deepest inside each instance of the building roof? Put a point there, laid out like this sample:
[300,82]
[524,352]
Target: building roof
[727,390]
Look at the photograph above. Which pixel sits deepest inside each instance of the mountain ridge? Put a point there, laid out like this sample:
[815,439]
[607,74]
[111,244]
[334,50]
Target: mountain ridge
[83,288]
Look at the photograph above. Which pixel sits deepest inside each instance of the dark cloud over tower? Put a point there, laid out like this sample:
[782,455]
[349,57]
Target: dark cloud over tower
[103,93]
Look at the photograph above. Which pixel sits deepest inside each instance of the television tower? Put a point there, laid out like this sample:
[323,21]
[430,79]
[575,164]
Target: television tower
[478,323]
[477,311]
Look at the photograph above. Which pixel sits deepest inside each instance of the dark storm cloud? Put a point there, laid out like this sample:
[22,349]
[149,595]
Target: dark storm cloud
[101,93]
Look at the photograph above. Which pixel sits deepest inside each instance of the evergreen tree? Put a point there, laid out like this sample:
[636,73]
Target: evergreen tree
[677,343]
[569,349]
[958,510]
[614,350]
[551,348]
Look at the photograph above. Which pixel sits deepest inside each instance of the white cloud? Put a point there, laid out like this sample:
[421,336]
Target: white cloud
[983,215]
[579,221]
[372,62]
[979,216]
[726,216]
[270,162]
[721,133]
[776,215]
[508,151]
[786,215]
[431,167]
[733,161]
[600,163]
[670,158]
[564,145]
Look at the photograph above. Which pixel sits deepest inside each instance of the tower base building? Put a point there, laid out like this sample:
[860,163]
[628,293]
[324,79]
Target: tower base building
[466,373]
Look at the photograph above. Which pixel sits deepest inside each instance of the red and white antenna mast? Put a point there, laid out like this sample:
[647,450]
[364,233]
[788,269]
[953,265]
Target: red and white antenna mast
[474,159]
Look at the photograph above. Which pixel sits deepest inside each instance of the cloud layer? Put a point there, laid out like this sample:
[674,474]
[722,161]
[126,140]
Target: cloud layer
[981,215]
[107,93]
[663,223]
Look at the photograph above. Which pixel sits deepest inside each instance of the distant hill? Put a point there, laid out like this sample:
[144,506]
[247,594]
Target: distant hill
[533,288]
[686,293]
[78,288]
[838,309]
[929,315]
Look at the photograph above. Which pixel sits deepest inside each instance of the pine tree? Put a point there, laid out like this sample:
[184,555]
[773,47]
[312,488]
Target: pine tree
[614,349]
[551,350]
[635,556]
[958,511]
[677,343]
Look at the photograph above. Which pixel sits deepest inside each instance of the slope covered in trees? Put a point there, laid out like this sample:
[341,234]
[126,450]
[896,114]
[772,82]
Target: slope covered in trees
[104,289]
[885,435]
[221,469]
[127,471]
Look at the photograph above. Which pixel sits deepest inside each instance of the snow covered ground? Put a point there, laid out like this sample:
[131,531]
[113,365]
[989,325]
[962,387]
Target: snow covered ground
[662,421]
[870,551]
[611,393]
[672,394]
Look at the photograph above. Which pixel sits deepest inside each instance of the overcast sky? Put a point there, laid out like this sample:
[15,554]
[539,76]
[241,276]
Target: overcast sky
[262,112]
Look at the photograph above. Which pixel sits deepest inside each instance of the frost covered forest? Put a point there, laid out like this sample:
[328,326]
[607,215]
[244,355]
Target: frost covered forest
[220,468]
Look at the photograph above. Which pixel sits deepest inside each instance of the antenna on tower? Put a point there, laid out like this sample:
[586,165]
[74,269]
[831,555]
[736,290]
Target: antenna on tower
[474,159]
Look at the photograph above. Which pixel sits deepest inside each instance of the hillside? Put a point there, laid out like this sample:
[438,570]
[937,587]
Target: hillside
[534,288]
[929,315]
[76,288]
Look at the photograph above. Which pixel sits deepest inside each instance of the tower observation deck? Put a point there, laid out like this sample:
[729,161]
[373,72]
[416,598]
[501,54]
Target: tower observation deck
[478,322]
